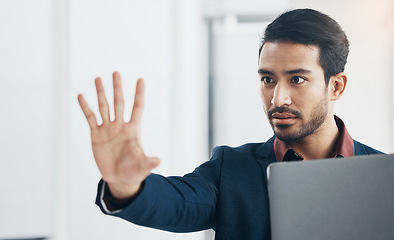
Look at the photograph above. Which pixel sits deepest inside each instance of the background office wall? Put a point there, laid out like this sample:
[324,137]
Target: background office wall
[27,118]
[52,50]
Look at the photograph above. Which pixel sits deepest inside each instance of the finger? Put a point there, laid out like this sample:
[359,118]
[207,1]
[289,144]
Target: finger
[149,163]
[118,97]
[89,114]
[138,106]
[102,100]
[153,162]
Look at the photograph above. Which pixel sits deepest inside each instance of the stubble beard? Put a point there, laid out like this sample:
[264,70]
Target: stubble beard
[319,115]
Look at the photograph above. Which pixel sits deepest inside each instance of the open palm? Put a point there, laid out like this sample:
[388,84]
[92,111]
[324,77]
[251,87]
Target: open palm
[116,144]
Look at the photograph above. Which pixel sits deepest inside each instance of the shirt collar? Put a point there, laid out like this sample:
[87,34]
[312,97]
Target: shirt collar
[284,152]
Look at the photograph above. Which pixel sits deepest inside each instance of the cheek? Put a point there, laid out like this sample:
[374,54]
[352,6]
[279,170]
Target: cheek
[266,97]
[308,99]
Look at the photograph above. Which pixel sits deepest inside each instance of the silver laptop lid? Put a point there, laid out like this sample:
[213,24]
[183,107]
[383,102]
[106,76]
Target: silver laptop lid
[343,198]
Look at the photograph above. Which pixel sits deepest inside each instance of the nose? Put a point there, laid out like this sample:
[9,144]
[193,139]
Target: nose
[281,96]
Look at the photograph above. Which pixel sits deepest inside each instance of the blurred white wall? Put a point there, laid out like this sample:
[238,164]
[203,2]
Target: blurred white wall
[51,50]
[27,118]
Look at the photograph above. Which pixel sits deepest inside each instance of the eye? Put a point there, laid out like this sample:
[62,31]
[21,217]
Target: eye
[297,80]
[266,80]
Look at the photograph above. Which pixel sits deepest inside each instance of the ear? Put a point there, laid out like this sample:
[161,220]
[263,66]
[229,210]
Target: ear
[337,85]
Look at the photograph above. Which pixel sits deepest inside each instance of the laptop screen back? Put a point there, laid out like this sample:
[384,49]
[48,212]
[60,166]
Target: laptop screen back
[343,198]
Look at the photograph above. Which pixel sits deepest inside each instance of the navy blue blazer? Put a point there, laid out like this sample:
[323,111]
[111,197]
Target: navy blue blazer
[228,193]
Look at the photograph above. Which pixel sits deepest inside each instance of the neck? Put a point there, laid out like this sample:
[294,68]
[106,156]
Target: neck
[320,144]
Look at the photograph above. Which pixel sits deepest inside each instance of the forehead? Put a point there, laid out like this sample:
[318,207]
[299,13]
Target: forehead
[287,55]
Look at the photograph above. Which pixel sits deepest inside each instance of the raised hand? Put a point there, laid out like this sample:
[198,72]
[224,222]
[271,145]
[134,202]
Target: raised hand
[116,144]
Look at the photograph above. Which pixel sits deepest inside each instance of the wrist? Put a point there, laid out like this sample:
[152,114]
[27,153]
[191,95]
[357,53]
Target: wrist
[121,191]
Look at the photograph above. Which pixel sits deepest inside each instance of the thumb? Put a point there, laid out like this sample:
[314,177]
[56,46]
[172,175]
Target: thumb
[153,162]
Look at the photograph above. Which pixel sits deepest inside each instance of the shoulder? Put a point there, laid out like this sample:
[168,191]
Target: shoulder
[245,158]
[362,149]
[249,152]
[248,149]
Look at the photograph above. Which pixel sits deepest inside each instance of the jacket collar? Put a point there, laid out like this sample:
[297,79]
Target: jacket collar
[266,150]
[266,155]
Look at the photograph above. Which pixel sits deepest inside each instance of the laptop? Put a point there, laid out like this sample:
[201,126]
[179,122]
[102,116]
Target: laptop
[341,199]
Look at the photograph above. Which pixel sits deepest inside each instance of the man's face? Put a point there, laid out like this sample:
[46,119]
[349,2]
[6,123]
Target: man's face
[293,89]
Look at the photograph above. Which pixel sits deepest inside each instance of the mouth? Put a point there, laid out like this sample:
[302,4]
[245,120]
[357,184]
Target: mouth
[283,115]
[283,119]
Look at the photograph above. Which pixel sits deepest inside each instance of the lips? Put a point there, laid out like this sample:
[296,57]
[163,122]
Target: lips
[283,115]
[283,119]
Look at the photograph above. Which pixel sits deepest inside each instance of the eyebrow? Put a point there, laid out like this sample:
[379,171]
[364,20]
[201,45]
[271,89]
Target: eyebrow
[293,71]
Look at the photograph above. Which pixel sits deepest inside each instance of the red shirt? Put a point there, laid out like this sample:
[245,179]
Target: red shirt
[345,148]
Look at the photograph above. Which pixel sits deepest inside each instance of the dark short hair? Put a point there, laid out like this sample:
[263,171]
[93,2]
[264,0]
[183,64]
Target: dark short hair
[311,27]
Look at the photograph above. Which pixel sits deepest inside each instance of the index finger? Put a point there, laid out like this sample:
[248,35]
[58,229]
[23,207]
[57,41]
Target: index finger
[139,101]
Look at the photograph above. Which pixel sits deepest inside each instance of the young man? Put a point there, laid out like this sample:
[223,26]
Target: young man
[301,64]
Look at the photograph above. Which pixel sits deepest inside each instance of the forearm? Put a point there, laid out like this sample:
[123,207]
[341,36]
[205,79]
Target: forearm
[177,204]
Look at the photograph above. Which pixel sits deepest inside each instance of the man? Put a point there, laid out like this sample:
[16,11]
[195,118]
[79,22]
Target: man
[301,67]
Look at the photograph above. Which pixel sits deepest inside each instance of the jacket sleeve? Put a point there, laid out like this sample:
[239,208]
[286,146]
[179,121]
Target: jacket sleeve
[176,204]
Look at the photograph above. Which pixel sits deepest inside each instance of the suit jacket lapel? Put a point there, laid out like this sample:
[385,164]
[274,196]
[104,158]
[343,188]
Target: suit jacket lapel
[266,155]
